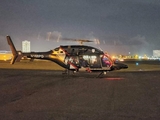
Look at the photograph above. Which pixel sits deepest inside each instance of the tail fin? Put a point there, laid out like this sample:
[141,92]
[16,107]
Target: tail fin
[13,49]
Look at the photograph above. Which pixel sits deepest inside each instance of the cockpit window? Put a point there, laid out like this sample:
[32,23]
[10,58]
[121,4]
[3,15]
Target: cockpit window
[56,49]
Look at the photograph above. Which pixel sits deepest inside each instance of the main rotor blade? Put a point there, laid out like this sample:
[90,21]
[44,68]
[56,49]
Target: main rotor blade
[78,40]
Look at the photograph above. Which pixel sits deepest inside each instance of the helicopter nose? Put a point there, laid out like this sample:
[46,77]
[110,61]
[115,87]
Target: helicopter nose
[119,66]
[125,66]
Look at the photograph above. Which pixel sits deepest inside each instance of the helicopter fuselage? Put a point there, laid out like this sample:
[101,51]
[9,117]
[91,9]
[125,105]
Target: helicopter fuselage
[72,57]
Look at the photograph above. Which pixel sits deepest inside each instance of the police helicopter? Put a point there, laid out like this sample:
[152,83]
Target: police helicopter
[74,58]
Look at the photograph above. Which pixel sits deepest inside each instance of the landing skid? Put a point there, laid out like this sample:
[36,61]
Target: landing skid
[67,72]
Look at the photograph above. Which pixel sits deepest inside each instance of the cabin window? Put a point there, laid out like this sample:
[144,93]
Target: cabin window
[86,57]
[84,61]
[93,59]
[72,59]
[89,60]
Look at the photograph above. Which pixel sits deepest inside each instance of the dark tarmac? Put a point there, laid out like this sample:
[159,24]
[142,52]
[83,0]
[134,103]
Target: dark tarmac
[51,95]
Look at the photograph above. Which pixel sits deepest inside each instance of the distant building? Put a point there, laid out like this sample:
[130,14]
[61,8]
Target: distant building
[156,53]
[26,46]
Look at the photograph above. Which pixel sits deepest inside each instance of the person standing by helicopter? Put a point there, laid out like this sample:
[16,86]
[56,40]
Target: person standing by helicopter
[106,62]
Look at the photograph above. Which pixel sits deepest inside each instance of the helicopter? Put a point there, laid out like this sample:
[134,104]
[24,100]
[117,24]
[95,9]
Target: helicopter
[74,58]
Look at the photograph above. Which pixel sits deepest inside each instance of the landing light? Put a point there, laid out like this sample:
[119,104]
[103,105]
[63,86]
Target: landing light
[19,53]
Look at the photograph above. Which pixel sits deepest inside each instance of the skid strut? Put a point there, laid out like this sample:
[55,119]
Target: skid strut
[66,71]
[102,73]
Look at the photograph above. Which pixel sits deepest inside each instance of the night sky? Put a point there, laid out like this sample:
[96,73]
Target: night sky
[122,26]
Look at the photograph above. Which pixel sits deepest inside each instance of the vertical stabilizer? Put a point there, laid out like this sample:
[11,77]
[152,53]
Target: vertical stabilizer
[13,49]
